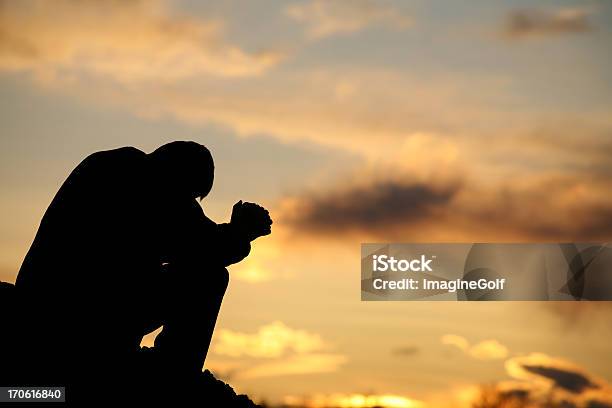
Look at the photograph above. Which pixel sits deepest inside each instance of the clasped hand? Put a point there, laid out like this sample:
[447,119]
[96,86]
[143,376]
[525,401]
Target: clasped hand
[251,219]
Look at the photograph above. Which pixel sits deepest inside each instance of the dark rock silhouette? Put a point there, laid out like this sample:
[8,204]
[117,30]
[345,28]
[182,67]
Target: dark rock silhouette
[123,249]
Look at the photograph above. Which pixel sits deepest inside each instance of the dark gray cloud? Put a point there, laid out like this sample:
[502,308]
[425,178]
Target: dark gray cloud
[526,23]
[377,207]
[571,381]
[536,210]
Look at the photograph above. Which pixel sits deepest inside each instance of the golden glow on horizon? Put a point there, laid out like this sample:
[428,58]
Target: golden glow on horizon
[354,401]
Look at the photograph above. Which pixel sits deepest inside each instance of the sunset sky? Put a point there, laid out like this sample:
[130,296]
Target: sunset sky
[351,121]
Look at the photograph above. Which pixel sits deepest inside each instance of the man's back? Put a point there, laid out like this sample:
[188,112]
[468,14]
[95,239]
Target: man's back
[82,222]
[78,277]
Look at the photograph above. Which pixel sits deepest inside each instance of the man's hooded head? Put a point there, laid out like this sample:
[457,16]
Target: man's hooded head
[186,168]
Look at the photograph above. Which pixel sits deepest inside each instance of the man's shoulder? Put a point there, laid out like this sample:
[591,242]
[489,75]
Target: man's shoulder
[107,160]
[106,164]
[127,152]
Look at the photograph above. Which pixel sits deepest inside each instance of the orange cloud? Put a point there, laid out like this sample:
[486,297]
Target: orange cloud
[274,350]
[457,341]
[270,341]
[312,363]
[489,350]
[126,41]
[483,350]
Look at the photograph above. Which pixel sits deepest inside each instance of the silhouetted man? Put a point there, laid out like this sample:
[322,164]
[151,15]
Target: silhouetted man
[124,248]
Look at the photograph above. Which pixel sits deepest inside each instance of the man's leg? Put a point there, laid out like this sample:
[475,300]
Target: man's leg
[193,305]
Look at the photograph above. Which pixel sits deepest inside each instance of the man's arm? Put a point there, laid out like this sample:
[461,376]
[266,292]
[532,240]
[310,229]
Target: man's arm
[232,245]
[198,281]
[231,242]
